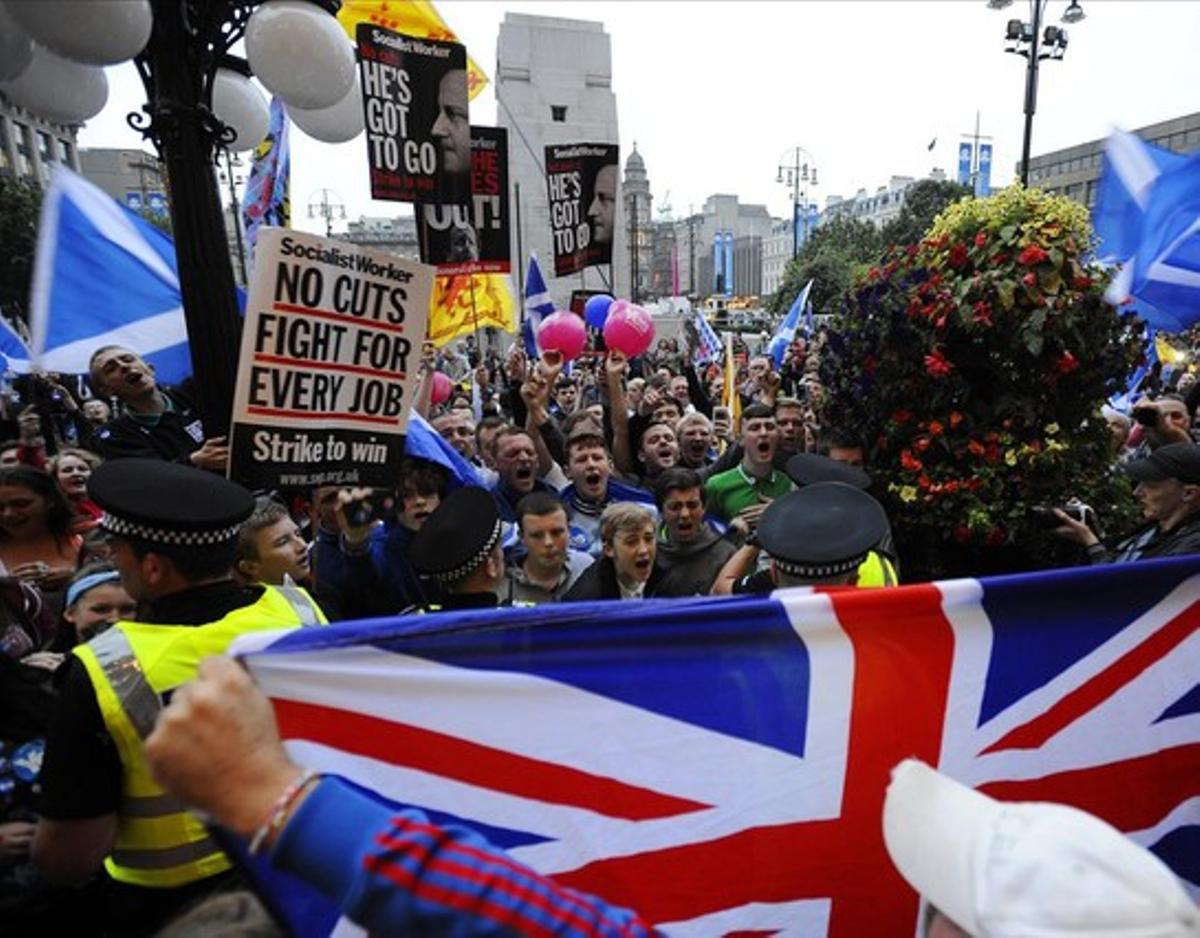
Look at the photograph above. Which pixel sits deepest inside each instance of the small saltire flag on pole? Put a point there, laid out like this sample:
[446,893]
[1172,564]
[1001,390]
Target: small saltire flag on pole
[538,306]
[103,276]
[267,199]
[14,351]
[709,346]
[787,328]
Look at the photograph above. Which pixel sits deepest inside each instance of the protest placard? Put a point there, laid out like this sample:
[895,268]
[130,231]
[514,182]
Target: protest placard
[470,239]
[329,363]
[582,184]
[415,109]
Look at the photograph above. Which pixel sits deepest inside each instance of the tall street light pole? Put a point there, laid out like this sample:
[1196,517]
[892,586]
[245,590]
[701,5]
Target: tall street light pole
[1029,40]
[797,170]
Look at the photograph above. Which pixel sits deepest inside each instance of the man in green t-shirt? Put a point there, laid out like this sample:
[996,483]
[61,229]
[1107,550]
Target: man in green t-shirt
[740,495]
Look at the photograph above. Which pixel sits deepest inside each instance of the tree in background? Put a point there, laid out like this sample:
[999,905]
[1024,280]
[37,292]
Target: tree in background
[842,250]
[974,365]
[834,255]
[20,206]
[923,202]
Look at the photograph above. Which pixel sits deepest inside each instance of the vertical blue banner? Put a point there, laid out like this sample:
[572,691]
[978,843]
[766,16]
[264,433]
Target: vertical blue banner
[718,284]
[964,164]
[729,263]
[983,183]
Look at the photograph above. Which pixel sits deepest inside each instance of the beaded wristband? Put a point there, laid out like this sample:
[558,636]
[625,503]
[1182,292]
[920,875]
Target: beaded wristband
[279,809]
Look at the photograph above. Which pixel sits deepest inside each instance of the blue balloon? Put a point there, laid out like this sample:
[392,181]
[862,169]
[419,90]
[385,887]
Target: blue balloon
[595,310]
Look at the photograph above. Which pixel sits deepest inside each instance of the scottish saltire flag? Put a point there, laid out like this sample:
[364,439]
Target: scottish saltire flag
[1166,265]
[786,331]
[422,440]
[708,347]
[538,306]
[267,199]
[720,764]
[1147,217]
[103,276]
[14,351]
[1130,169]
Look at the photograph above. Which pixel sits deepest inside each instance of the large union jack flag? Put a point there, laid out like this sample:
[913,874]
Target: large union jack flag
[719,764]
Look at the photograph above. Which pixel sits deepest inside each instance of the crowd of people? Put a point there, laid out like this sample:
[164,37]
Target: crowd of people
[126,558]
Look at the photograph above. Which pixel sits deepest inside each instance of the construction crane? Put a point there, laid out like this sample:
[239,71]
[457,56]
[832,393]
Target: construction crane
[664,207]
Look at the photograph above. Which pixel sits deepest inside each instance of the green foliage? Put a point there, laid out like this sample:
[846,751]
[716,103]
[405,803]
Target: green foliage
[20,205]
[923,202]
[832,258]
[159,220]
[975,364]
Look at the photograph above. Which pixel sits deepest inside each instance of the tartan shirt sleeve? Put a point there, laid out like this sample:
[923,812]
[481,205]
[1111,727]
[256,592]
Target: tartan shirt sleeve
[394,872]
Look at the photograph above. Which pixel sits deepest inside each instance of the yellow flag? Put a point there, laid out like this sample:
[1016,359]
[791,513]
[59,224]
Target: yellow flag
[731,398]
[1167,353]
[413,18]
[463,303]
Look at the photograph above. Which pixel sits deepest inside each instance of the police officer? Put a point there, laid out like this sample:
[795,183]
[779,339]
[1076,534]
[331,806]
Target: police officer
[879,569]
[460,546]
[819,535]
[173,531]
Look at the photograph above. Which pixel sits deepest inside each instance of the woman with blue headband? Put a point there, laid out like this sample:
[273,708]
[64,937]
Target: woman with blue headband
[95,599]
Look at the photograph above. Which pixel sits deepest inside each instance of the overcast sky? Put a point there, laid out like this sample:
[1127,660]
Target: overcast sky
[715,92]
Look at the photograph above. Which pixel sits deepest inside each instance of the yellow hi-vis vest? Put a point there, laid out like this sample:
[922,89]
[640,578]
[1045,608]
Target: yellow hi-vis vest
[876,570]
[160,843]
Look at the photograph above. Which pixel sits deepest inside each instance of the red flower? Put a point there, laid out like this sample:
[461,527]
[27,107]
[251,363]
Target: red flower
[1032,255]
[999,258]
[937,365]
[993,453]
[950,487]
[1030,280]
[921,443]
[873,273]
[962,533]
[902,416]
[914,307]
[1066,363]
[982,313]
[910,462]
[981,239]
[935,280]
[911,250]
[956,418]
[935,428]
[924,482]
[995,537]
[1081,283]
[976,448]
[958,256]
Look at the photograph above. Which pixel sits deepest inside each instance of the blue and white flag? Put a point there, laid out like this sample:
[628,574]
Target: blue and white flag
[103,276]
[787,329]
[267,199]
[1147,217]
[641,751]
[1166,265]
[709,347]
[421,440]
[538,306]
[14,351]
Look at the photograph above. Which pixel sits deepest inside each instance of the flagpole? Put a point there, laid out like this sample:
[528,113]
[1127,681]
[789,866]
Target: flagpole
[520,254]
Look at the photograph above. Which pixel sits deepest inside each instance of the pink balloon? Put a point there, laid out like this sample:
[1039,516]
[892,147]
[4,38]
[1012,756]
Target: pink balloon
[562,332]
[443,387]
[629,329]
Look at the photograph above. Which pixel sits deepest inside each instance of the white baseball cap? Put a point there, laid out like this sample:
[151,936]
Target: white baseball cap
[1026,870]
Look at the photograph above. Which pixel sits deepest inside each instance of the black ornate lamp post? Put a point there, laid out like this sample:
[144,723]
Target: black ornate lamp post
[797,170]
[1031,42]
